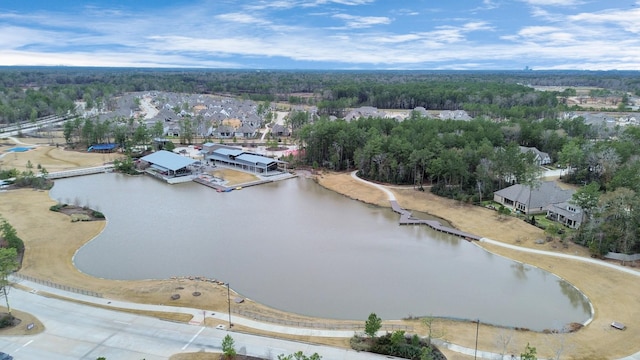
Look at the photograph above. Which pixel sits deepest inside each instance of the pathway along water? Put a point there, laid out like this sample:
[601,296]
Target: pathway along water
[296,246]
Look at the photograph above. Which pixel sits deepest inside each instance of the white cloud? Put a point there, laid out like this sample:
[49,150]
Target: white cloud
[627,20]
[241,18]
[395,39]
[359,22]
[553,2]
[341,2]
[219,37]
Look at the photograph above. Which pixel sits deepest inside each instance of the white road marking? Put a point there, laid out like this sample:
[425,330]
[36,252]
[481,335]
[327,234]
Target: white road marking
[193,338]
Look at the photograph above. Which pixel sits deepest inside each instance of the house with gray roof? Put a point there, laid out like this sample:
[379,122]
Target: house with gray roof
[568,214]
[532,200]
[363,112]
[280,130]
[540,157]
[454,115]
[224,132]
[245,131]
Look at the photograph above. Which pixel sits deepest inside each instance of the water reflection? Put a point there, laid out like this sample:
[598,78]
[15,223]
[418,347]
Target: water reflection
[298,247]
[520,270]
[576,298]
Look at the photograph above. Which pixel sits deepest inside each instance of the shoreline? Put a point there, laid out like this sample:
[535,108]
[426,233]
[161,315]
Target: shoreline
[597,339]
[39,263]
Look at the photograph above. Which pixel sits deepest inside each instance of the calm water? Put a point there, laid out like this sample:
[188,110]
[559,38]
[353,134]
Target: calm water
[296,246]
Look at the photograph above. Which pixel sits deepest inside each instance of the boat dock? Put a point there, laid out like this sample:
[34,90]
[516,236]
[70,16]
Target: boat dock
[221,188]
[407,219]
[218,184]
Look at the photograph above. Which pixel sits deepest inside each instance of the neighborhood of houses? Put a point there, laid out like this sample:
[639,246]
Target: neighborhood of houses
[225,118]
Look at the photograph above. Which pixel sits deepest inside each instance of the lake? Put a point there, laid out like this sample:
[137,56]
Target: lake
[298,247]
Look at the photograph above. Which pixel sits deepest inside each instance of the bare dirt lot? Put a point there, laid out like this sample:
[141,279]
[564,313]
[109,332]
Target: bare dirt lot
[51,240]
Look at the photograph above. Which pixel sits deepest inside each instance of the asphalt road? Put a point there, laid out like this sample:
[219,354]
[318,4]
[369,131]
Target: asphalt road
[74,331]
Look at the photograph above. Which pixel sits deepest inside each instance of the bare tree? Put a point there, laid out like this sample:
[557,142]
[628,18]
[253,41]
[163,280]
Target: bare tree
[504,339]
[560,344]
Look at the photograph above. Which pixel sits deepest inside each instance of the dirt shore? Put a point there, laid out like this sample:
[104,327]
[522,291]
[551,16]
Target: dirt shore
[51,240]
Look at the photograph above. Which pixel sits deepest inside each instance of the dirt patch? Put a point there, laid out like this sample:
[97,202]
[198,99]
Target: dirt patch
[78,213]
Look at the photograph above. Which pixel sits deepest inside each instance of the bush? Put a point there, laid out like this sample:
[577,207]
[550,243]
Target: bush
[398,345]
[6,321]
[16,243]
[80,217]
[97,214]
[57,207]
[359,343]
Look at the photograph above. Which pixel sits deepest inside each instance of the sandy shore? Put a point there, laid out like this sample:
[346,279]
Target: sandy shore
[51,240]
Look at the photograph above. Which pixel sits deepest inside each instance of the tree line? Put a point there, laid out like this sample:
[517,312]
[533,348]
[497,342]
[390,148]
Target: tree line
[469,160]
[28,93]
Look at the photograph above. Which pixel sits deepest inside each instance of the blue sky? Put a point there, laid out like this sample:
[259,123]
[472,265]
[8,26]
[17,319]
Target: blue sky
[324,34]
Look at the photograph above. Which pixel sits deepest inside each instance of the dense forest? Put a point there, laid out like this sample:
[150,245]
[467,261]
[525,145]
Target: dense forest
[31,93]
[465,160]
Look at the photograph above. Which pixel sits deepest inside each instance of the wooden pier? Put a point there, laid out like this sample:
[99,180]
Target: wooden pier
[407,219]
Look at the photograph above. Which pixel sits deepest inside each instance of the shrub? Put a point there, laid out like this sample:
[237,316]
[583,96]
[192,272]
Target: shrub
[57,207]
[398,345]
[6,321]
[359,343]
[80,217]
[97,214]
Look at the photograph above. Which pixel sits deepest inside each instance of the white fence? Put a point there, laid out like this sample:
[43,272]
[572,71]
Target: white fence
[622,257]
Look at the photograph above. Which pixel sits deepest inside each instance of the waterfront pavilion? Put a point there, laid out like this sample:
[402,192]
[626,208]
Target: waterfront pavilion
[166,164]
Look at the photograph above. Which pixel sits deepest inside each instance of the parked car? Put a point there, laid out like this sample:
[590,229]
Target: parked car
[5,356]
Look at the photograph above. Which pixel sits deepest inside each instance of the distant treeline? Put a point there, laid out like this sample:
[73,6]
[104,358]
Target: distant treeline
[28,93]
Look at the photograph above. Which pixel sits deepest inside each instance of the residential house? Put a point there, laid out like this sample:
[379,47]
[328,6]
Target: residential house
[541,157]
[363,112]
[280,130]
[421,111]
[454,115]
[224,132]
[569,215]
[245,131]
[532,200]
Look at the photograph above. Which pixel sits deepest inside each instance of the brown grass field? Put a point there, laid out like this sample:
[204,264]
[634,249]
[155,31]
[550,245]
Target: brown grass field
[51,240]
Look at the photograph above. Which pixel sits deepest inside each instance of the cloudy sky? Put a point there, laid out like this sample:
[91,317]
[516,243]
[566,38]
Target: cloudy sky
[323,34]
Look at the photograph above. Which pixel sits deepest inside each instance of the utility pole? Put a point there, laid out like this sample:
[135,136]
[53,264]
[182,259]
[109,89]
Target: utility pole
[475,354]
[229,302]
